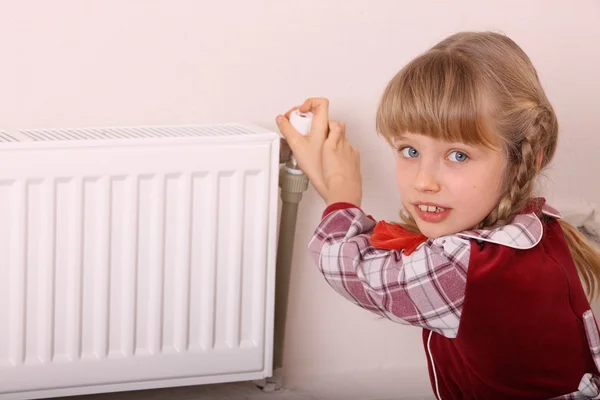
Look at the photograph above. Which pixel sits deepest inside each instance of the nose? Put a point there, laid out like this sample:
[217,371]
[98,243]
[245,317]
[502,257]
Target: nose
[426,180]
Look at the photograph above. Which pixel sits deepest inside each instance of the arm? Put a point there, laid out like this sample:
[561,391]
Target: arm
[425,289]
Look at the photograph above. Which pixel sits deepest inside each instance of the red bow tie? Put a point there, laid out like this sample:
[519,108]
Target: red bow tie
[395,237]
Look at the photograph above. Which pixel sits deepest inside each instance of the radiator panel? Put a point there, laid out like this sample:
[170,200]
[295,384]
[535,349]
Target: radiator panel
[126,263]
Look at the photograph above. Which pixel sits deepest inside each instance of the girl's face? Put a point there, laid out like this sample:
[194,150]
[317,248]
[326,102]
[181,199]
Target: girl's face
[447,187]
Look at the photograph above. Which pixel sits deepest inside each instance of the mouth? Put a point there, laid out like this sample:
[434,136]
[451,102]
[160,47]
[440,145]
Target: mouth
[429,212]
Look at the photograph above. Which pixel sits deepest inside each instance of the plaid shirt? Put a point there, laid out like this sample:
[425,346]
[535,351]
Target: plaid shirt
[427,287]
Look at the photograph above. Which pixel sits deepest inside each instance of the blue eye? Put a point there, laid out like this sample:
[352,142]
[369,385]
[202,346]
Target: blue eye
[457,156]
[410,152]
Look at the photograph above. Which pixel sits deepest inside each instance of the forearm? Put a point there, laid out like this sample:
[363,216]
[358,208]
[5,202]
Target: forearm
[378,280]
[340,189]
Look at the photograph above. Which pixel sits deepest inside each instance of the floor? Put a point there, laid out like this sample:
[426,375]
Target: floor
[229,391]
[409,383]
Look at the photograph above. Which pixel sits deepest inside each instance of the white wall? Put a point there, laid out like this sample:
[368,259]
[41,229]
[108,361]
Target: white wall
[69,63]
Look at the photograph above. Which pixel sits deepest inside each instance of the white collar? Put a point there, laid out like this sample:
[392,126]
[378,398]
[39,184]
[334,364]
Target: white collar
[524,232]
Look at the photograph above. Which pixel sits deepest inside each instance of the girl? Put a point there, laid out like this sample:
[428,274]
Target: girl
[490,272]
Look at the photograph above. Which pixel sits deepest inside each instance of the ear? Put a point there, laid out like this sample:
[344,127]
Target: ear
[540,157]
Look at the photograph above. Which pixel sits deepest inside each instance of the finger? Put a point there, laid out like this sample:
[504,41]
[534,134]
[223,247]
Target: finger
[290,111]
[320,108]
[336,132]
[288,131]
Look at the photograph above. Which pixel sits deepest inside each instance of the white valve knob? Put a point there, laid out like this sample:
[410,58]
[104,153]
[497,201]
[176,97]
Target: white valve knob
[301,121]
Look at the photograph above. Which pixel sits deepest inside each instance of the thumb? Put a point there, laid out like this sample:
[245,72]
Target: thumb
[290,133]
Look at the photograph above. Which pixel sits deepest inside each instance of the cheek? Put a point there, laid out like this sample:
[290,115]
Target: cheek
[492,180]
[402,175]
[474,181]
[483,188]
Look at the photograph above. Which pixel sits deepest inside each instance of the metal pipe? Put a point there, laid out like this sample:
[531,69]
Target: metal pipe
[292,187]
[293,183]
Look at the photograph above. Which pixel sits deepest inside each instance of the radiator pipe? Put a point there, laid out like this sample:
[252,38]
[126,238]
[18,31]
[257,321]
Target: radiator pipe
[293,183]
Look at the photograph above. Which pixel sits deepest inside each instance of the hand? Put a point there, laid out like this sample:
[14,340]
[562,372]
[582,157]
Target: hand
[325,154]
[308,150]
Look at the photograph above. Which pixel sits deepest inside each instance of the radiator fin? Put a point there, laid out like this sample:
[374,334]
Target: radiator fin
[7,137]
[132,133]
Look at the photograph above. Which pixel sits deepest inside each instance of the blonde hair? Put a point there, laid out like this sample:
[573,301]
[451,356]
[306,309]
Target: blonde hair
[481,88]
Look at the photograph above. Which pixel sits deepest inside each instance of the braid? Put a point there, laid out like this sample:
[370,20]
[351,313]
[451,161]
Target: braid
[522,166]
[547,125]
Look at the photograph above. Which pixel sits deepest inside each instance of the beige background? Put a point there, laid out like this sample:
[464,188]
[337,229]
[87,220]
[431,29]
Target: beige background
[115,62]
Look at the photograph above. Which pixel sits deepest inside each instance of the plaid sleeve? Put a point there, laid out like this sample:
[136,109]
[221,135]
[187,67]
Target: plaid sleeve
[425,289]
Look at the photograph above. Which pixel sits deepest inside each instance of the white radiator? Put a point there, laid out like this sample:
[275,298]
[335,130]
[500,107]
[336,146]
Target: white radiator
[135,258]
